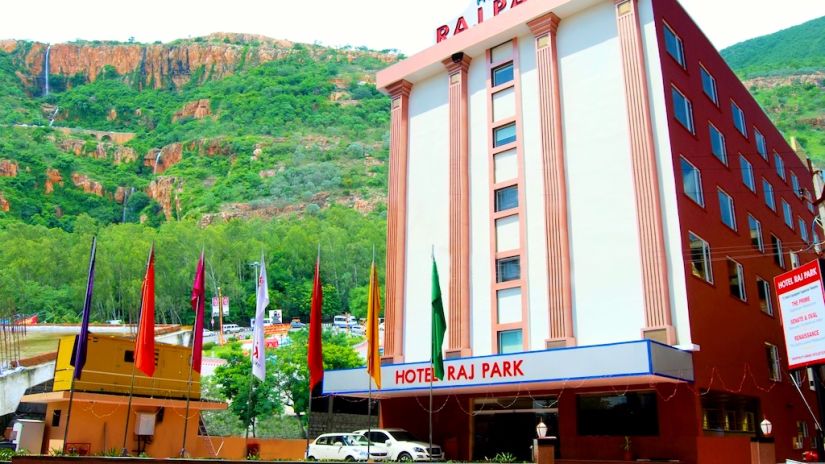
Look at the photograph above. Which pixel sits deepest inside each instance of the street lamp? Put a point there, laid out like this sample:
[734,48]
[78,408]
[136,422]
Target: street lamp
[541,429]
[766,427]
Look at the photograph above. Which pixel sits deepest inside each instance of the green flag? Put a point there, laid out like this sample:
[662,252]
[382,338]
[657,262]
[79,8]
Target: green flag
[439,327]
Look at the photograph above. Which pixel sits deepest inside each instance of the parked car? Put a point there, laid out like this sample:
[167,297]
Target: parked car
[402,445]
[358,330]
[342,321]
[344,447]
[231,328]
[296,324]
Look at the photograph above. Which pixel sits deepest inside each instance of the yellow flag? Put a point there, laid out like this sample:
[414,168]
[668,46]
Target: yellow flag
[373,311]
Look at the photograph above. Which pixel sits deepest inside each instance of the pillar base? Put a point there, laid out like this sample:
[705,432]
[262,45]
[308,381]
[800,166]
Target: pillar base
[559,342]
[398,359]
[544,450]
[459,353]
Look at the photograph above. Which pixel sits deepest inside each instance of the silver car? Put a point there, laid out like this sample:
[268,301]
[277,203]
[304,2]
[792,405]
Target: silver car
[344,447]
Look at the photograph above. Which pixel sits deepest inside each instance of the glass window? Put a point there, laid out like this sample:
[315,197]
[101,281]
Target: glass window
[682,109]
[764,291]
[776,248]
[692,182]
[779,164]
[510,341]
[726,209]
[794,259]
[507,198]
[709,85]
[631,413]
[761,146]
[504,134]
[717,144]
[755,228]
[797,190]
[503,74]
[809,200]
[736,279]
[774,367]
[508,269]
[673,45]
[768,191]
[747,173]
[803,229]
[700,258]
[738,118]
[787,213]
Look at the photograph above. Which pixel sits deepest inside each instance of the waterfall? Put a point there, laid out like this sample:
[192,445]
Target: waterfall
[126,195]
[54,114]
[157,158]
[46,72]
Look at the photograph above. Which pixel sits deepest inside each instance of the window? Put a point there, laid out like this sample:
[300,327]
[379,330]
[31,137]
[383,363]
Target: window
[510,341]
[674,47]
[779,164]
[747,173]
[794,259]
[709,85]
[795,186]
[774,368]
[682,109]
[736,279]
[508,269]
[763,289]
[717,144]
[727,412]
[809,200]
[692,182]
[56,418]
[700,258]
[631,413]
[768,190]
[787,213]
[776,248]
[761,146]
[803,229]
[738,118]
[504,134]
[503,74]
[507,198]
[756,233]
[726,209]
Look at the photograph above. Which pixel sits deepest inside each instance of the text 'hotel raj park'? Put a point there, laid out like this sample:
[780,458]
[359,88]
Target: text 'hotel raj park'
[626,247]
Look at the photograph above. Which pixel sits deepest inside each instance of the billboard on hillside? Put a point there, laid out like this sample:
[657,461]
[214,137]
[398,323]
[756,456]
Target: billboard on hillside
[802,306]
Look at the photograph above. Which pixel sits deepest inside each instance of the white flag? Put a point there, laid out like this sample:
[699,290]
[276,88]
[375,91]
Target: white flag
[261,302]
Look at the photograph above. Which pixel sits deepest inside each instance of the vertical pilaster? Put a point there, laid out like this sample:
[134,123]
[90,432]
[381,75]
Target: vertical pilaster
[459,296]
[658,320]
[397,222]
[559,287]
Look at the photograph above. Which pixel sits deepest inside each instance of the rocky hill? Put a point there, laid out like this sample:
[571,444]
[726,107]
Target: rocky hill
[786,73]
[217,127]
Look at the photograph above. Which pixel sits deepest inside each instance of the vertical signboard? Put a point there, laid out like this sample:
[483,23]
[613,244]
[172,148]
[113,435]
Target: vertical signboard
[225,306]
[802,305]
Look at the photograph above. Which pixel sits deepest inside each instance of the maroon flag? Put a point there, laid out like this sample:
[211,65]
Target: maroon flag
[145,340]
[315,358]
[198,305]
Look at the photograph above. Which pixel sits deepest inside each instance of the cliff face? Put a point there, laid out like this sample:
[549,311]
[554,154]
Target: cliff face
[157,65]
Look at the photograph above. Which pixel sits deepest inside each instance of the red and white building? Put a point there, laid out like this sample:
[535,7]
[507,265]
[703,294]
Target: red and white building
[608,206]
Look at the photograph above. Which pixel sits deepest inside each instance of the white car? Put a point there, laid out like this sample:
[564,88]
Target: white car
[402,445]
[344,447]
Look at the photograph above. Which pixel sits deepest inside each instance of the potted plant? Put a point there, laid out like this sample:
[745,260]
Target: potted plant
[626,447]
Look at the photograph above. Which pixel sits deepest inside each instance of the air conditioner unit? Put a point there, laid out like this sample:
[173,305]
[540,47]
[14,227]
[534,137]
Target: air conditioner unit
[145,424]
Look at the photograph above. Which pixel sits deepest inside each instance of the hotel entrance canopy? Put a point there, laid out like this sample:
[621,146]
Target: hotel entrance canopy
[642,362]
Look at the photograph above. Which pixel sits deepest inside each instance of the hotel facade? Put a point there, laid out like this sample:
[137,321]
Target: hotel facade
[607,206]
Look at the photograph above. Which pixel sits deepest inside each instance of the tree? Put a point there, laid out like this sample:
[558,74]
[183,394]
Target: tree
[292,374]
[248,397]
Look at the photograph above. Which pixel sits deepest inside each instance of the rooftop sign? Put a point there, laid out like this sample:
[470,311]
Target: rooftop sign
[474,15]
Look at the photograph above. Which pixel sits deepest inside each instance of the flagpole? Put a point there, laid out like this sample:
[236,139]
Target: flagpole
[309,405]
[86,306]
[189,383]
[123,450]
[252,350]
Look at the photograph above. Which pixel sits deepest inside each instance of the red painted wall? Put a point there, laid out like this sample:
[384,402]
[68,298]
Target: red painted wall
[732,333]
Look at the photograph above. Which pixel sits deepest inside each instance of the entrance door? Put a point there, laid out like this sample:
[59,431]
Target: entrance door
[508,425]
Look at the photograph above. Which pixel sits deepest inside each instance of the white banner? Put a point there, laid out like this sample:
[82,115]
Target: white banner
[215,306]
[802,304]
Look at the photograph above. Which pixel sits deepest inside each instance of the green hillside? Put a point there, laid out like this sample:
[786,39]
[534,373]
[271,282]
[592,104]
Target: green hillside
[276,157]
[785,72]
[796,50]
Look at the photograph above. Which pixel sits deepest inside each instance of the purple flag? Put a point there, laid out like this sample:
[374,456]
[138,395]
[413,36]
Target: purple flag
[82,339]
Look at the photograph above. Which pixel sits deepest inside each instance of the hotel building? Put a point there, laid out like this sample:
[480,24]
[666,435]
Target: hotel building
[607,206]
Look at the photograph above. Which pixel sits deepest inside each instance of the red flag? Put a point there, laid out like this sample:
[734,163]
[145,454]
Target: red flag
[198,305]
[145,340]
[315,358]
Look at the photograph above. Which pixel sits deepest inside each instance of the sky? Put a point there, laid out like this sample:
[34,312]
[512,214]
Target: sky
[407,26]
